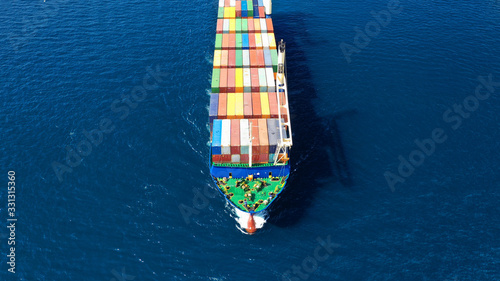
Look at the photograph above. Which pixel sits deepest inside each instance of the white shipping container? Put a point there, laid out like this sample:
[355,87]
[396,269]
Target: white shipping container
[265,40]
[226,137]
[225,26]
[263,25]
[244,133]
[235,158]
[247,80]
[271,83]
[232,3]
[221,3]
[246,58]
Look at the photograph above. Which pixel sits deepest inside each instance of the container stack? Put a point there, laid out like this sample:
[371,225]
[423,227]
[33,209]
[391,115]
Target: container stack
[244,101]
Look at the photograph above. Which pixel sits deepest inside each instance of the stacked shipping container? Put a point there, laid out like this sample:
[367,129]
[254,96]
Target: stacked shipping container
[244,100]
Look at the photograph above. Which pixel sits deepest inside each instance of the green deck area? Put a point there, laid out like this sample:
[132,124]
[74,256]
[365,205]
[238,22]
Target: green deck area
[260,192]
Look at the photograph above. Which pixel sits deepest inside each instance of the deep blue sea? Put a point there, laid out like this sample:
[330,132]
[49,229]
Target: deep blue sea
[396,157]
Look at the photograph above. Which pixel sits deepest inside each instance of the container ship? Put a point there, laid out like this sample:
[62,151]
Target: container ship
[250,130]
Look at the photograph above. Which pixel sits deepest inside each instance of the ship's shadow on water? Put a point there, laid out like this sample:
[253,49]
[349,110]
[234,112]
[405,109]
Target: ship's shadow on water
[318,158]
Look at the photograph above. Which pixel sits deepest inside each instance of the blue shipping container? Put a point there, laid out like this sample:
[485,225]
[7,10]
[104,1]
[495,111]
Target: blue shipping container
[216,137]
[214,106]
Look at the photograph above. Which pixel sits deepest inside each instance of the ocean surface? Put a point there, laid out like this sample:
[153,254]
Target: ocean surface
[126,83]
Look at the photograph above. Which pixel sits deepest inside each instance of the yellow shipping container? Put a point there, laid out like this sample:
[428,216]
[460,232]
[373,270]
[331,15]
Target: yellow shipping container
[272,41]
[232,26]
[231,101]
[239,80]
[217,57]
[239,106]
[258,40]
[264,104]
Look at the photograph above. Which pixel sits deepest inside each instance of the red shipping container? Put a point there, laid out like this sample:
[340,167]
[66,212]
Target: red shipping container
[216,159]
[255,158]
[223,81]
[244,158]
[227,3]
[238,9]
[232,40]
[220,25]
[263,158]
[273,105]
[260,58]
[222,110]
[226,158]
[256,107]
[232,58]
[254,73]
[247,105]
[262,12]
[231,80]
[269,23]
[224,58]
[235,136]
[251,28]
[254,126]
[251,41]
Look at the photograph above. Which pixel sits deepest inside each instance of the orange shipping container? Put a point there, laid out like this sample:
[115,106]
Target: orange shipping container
[222,111]
[260,58]
[273,105]
[225,41]
[263,137]
[254,72]
[254,125]
[224,58]
[251,42]
[223,80]
[253,58]
[231,74]
[232,40]
[262,12]
[251,28]
[256,107]
[235,136]
[247,105]
[270,27]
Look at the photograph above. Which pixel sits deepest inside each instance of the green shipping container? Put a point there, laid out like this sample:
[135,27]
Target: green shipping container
[220,15]
[250,9]
[274,57]
[239,41]
[215,80]
[239,58]
[238,25]
[244,26]
[218,41]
